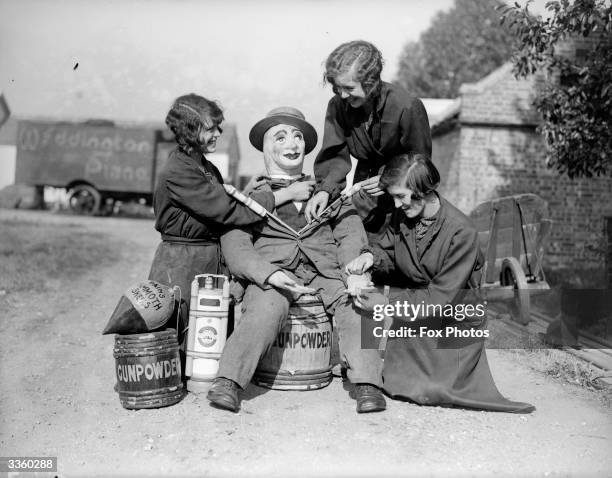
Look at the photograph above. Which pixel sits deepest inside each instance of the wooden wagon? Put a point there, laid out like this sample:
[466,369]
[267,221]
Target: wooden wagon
[513,231]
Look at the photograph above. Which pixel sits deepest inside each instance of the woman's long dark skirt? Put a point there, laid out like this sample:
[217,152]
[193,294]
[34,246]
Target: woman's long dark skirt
[443,371]
[176,264]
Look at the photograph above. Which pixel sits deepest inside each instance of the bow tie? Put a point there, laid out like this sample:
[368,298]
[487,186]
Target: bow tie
[279,183]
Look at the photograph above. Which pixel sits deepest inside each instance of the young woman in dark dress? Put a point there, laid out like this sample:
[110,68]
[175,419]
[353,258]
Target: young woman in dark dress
[369,119]
[432,250]
[191,206]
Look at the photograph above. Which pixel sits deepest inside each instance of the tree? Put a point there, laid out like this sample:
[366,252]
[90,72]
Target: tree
[576,100]
[461,46]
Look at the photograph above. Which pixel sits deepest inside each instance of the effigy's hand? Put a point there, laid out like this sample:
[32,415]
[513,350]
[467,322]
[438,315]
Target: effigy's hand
[280,280]
[372,186]
[360,264]
[316,205]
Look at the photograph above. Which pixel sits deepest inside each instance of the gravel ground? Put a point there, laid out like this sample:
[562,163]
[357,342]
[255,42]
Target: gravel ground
[57,399]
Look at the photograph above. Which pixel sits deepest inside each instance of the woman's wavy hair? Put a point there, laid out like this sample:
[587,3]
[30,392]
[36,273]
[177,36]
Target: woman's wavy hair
[188,115]
[415,171]
[367,60]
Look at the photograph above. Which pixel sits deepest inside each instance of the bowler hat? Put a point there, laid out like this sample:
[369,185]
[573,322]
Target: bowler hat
[283,115]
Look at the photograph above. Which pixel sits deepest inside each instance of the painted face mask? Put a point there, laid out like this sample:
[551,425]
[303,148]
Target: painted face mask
[283,149]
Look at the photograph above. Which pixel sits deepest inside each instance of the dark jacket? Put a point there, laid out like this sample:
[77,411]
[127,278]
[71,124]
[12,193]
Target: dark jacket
[190,201]
[448,257]
[444,369]
[257,252]
[400,125]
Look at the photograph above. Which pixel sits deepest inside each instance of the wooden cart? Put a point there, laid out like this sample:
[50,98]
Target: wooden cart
[513,231]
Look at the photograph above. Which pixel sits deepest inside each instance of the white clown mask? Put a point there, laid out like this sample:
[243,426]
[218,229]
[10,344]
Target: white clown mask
[283,148]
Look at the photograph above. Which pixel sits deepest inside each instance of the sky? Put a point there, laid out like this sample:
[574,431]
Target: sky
[135,56]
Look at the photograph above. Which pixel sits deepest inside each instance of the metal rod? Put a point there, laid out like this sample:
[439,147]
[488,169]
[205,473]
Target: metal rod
[256,207]
[337,203]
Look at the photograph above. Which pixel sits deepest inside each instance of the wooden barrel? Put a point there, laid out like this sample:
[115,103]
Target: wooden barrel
[300,356]
[148,369]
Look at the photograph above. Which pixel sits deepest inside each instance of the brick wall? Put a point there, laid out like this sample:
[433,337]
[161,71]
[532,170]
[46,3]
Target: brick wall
[574,48]
[500,99]
[445,153]
[495,151]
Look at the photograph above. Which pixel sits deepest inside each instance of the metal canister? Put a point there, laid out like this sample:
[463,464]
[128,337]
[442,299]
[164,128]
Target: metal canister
[208,323]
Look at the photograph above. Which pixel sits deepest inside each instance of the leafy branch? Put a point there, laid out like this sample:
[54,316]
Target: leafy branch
[576,101]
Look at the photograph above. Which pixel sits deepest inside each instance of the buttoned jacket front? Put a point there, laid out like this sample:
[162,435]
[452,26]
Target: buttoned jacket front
[256,252]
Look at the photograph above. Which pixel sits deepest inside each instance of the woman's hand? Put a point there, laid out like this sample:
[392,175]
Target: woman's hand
[301,190]
[372,186]
[316,205]
[280,280]
[356,282]
[360,264]
[298,191]
[255,181]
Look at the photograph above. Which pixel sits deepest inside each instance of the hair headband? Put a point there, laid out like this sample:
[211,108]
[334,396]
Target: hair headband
[189,107]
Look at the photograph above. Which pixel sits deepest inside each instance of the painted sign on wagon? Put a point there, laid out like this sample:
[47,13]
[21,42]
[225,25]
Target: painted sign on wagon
[112,158]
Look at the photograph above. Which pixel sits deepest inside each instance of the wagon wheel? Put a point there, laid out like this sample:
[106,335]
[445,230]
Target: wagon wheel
[512,275]
[85,199]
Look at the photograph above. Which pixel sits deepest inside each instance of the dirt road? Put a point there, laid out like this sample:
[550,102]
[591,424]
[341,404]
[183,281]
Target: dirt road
[57,399]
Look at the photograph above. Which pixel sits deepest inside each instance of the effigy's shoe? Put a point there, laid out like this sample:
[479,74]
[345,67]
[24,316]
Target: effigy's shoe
[223,394]
[369,398]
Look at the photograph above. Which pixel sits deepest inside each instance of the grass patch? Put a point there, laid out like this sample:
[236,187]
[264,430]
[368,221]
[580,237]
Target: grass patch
[527,348]
[36,255]
[558,364]
[567,368]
